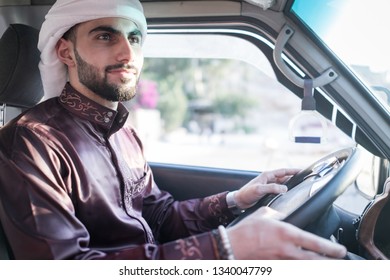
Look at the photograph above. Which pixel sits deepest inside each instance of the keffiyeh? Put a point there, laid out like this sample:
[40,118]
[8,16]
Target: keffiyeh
[63,15]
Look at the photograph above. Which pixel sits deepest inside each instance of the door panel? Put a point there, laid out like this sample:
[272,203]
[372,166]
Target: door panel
[185,182]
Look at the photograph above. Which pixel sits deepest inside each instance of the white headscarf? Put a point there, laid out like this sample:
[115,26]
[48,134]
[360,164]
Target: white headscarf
[63,15]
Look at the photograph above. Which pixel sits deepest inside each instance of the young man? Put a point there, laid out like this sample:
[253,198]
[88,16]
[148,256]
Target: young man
[75,184]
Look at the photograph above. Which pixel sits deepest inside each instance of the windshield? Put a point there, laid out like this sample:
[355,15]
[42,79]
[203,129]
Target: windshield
[356,31]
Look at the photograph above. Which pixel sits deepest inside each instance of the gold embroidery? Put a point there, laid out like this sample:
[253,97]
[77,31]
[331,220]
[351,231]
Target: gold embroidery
[215,208]
[189,248]
[75,102]
[132,189]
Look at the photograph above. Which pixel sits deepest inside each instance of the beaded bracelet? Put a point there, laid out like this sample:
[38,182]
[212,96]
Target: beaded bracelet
[223,244]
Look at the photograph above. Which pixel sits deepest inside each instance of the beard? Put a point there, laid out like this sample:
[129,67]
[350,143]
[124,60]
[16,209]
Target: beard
[90,78]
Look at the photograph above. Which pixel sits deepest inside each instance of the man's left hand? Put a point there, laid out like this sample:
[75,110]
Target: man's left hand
[269,182]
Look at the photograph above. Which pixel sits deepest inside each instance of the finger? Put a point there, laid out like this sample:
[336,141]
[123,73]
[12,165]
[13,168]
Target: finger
[249,196]
[261,190]
[286,172]
[302,254]
[280,175]
[316,244]
[289,251]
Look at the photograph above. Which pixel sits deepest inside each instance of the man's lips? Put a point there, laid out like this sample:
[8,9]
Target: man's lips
[122,69]
[122,72]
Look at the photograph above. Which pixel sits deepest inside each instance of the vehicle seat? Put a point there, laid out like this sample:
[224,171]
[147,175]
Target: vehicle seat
[20,83]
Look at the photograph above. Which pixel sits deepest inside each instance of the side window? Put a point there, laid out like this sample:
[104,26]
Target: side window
[209,107]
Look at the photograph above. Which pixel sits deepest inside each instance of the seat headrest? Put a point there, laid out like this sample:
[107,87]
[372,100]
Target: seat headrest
[20,80]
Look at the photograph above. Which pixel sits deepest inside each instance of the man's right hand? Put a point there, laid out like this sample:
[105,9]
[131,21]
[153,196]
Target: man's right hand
[261,236]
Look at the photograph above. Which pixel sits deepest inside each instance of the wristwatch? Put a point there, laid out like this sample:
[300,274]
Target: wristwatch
[232,205]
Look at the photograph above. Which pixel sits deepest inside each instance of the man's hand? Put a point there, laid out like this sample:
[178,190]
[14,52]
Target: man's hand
[266,183]
[261,236]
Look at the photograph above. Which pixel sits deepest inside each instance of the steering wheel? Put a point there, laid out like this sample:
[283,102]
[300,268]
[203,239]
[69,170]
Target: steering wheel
[313,190]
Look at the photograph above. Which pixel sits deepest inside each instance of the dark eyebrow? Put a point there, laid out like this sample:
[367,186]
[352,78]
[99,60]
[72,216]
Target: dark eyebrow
[105,28]
[135,32]
[112,30]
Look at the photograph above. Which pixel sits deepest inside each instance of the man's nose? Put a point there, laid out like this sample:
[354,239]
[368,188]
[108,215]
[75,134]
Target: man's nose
[125,51]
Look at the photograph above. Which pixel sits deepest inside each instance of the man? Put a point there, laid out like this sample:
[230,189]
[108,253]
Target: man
[75,184]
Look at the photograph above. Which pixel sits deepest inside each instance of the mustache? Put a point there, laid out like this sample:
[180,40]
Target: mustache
[121,66]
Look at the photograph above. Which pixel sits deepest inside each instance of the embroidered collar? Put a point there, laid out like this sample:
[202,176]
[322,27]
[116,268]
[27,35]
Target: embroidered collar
[80,105]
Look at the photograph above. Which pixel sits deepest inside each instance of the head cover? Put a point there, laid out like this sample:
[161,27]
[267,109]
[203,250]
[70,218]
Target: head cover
[65,14]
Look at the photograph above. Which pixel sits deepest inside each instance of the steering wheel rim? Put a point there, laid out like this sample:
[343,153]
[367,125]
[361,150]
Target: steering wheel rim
[313,190]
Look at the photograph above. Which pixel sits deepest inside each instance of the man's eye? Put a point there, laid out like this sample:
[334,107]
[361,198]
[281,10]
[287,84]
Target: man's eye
[105,37]
[134,40]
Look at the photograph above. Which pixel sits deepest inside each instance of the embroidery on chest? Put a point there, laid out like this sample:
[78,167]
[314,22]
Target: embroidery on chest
[134,184]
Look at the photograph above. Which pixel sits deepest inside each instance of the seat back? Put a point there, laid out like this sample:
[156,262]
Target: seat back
[20,80]
[5,250]
[20,83]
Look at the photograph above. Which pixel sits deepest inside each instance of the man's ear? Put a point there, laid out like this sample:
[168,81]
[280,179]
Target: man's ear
[64,49]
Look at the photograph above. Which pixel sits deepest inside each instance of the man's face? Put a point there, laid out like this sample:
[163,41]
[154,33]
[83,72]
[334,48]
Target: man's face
[109,57]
